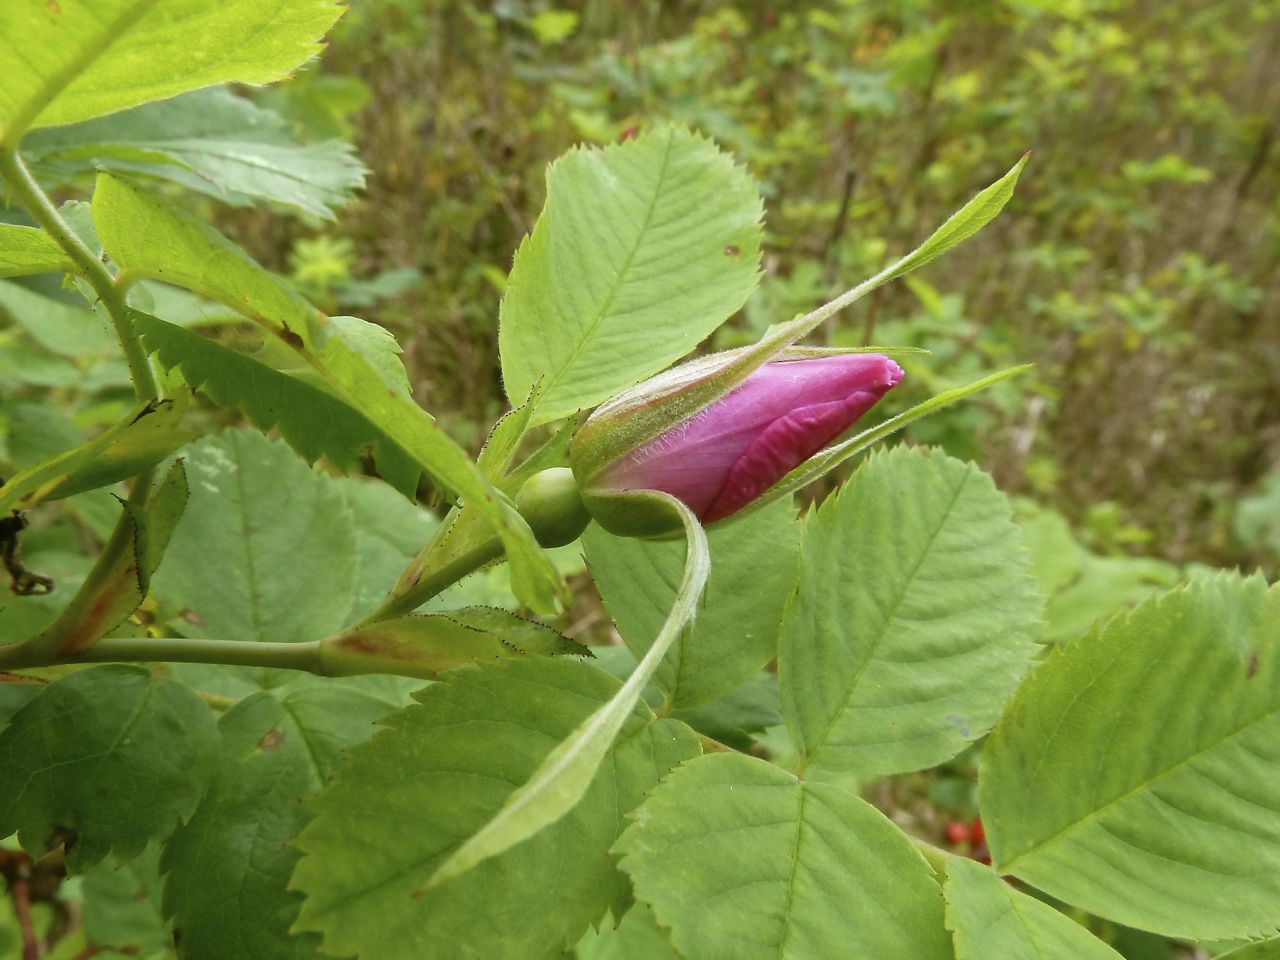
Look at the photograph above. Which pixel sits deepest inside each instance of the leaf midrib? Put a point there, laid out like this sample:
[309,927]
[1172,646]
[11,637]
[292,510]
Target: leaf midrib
[888,620]
[1143,785]
[554,377]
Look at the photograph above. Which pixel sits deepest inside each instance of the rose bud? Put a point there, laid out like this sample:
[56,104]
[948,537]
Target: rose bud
[726,455]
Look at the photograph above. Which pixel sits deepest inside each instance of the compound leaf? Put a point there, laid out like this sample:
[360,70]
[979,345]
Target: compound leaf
[149,237]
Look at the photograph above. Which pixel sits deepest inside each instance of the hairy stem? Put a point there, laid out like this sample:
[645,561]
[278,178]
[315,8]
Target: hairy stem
[37,202]
[436,581]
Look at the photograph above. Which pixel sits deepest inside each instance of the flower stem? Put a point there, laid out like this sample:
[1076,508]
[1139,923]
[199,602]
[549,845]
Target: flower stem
[37,202]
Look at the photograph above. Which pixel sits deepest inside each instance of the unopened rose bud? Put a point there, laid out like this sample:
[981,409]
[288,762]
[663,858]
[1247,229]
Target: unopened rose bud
[726,455]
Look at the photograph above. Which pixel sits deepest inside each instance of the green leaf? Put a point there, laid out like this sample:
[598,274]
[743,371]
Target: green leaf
[643,248]
[753,571]
[111,755]
[121,909]
[27,250]
[504,439]
[1263,950]
[79,59]
[149,434]
[227,869]
[565,775]
[699,383]
[390,531]
[211,141]
[267,548]
[737,718]
[58,327]
[426,645]
[413,793]
[112,592]
[315,423]
[989,919]
[637,937]
[742,860]
[150,238]
[914,618]
[1135,772]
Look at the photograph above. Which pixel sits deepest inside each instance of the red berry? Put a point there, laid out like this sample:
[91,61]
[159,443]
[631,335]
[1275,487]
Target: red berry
[977,835]
[956,833]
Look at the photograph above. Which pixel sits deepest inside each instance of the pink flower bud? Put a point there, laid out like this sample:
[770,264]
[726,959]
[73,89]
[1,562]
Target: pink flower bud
[728,454]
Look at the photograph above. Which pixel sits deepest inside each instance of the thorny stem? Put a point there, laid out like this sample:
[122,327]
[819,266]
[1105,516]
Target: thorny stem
[38,204]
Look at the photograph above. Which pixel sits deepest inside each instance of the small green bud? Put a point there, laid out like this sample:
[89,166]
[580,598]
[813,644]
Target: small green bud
[550,503]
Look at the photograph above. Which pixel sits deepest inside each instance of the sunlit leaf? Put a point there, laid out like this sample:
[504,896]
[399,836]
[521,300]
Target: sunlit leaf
[643,248]
[27,250]
[77,59]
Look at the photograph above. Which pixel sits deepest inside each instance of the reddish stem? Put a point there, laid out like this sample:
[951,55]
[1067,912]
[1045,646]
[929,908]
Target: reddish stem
[22,907]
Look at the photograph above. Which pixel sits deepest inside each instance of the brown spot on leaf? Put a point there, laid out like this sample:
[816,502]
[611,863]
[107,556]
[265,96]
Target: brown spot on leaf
[1251,668]
[732,250]
[53,7]
[289,337]
[272,739]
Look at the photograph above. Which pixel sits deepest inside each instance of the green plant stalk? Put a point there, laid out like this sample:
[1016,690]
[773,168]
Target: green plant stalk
[436,581]
[309,657]
[239,653]
[37,202]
